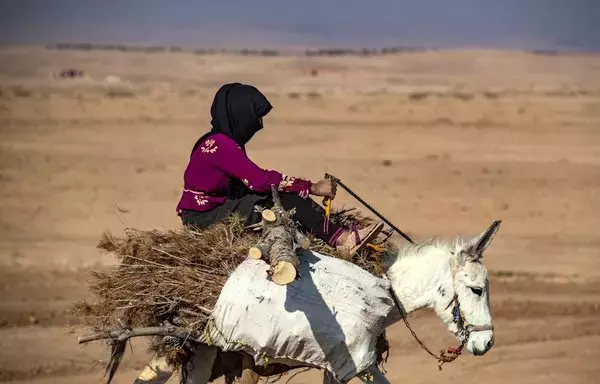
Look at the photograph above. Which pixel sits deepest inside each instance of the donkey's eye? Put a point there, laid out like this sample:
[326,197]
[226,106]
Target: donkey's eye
[477,291]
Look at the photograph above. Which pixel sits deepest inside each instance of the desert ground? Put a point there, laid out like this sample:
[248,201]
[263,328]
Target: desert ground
[441,142]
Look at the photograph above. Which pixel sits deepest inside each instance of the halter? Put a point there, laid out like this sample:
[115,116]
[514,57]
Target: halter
[464,329]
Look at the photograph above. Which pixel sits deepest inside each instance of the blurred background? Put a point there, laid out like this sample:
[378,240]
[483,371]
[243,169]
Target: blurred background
[444,115]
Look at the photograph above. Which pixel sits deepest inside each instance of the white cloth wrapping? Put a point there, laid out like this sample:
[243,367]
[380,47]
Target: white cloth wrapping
[329,318]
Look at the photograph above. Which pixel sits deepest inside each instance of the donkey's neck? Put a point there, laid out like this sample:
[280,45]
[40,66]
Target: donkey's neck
[417,273]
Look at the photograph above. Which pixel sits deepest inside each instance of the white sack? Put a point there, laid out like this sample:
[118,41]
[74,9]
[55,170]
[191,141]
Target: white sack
[329,318]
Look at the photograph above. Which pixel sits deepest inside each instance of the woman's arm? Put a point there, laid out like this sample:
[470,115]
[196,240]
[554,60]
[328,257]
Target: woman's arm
[231,159]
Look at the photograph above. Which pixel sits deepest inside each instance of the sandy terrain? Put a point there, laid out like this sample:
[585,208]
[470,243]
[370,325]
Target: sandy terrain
[441,142]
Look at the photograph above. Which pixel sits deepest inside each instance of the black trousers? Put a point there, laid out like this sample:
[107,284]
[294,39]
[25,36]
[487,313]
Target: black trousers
[309,214]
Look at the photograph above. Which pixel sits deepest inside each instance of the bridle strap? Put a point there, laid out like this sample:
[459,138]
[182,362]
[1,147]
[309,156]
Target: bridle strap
[464,329]
[479,328]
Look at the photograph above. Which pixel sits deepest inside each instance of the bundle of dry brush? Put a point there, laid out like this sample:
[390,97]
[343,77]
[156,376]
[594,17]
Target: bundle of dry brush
[168,281]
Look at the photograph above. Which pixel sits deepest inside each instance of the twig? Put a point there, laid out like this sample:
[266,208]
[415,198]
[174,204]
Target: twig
[190,312]
[185,261]
[227,235]
[203,309]
[150,262]
[254,226]
[276,199]
[125,334]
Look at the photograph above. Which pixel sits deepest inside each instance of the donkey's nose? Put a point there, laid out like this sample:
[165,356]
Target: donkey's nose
[479,352]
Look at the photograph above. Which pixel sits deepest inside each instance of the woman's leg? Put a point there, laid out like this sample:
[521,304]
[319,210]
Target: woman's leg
[200,220]
[311,216]
[243,206]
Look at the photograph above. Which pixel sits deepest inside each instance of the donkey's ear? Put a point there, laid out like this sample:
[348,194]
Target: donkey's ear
[478,245]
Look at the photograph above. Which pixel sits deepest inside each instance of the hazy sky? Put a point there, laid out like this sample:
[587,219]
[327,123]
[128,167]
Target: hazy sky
[542,24]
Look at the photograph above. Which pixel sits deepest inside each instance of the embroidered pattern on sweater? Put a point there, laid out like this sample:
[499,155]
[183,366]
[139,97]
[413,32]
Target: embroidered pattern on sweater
[286,183]
[200,197]
[247,184]
[209,146]
[304,193]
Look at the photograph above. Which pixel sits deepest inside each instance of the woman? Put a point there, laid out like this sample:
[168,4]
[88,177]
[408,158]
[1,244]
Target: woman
[220,179]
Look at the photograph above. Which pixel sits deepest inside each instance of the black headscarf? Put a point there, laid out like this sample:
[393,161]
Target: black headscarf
[237,112]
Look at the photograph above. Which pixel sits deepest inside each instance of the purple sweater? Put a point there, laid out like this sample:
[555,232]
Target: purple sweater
[219,159]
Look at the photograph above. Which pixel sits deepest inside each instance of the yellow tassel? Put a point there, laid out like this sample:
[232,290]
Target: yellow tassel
[328,208]
[374,247]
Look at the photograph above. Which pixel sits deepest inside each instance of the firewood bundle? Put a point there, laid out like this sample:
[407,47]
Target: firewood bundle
[279,242]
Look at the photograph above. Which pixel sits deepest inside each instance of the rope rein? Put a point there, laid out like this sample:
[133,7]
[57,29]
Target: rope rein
[373,210]
[447,356]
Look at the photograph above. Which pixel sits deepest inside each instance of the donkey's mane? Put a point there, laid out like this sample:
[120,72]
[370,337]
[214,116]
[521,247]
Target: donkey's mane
[420,248]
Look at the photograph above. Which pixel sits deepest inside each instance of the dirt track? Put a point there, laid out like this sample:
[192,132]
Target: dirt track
[441,142]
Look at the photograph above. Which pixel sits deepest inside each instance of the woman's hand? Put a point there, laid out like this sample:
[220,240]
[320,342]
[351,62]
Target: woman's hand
[325,188]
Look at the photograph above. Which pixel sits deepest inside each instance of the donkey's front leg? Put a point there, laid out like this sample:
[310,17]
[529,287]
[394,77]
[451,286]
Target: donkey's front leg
[328,378]
[201,364]
[373,375]
[249,376]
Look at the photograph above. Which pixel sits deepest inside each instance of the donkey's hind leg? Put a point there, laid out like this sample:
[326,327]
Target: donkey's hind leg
[158,371]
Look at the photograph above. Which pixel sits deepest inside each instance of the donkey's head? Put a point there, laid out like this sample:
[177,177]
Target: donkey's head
[463,302]
[451,279]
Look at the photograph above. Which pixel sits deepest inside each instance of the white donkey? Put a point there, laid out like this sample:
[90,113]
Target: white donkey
[449,278]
